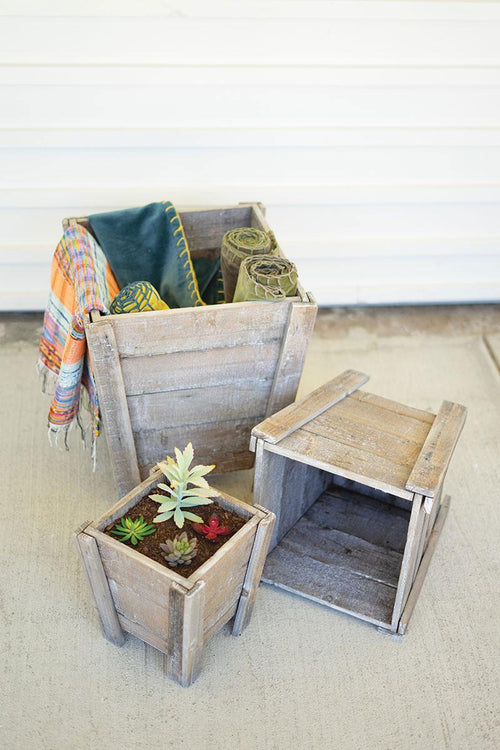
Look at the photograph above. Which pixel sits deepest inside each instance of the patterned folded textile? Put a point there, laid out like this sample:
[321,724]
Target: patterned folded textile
[140,296]
[238,244]
[265,277]
[81,280]
[149,244]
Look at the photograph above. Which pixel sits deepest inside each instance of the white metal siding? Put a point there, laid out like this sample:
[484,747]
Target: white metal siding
[371,130]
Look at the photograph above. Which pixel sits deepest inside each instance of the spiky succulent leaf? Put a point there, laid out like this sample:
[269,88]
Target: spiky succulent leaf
[163,517]
[168,505]
[192,517]
[171,471]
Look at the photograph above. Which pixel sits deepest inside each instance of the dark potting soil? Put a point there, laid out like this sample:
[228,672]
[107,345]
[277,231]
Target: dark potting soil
[150,545]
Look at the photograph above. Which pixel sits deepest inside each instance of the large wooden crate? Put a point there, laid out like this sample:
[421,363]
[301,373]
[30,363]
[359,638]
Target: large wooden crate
[205,374]
[356,482]
[176,615]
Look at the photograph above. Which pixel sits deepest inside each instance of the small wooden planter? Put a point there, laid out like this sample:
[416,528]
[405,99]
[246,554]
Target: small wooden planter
[205,374]
[355,481]
[174,614]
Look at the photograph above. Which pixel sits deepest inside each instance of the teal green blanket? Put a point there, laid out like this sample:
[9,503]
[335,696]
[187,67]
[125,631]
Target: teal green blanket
[149,244]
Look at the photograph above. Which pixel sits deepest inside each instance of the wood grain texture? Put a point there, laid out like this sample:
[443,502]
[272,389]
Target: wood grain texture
[254,571]
[432,463]
[282,424]
[424,565]
[412,540]
[103,601]
[292,355]
[113,405]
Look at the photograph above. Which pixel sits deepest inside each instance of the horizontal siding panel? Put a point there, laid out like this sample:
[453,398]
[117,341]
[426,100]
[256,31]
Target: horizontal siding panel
[301,41]
[237,106]
[344,166]
[262,9]
[176,75]
[333,281]
[242,137]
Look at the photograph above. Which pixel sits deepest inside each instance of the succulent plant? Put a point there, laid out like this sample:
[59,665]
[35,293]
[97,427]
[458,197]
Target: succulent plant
[180,550]
[212,530]
[133,531]
[181,497]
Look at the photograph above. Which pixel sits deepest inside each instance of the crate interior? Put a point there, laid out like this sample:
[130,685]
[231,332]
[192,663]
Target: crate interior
[204,229]
[345,551]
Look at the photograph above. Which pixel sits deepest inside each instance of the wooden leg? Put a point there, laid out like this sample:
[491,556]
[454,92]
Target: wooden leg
[254,571]
[185,633]
[103,601]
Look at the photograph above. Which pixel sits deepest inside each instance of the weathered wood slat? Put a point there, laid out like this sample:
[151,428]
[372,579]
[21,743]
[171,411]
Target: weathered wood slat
[414,529]
[241,399]
[394,407]
[432,463]
[367,438]
[103,600]
[228,439]
[292,355]
[204,229]
[175,371]
[288,420]
[113,406]
[254,572]
[127,501]
[362,411]
[194,329]
[424,566]
[353,463]
[146,635]
[185,638]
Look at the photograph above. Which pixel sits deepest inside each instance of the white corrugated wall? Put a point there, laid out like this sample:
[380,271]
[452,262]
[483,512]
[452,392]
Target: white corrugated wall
[371,131]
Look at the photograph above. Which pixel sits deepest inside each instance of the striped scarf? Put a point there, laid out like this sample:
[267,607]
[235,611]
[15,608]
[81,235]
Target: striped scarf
[81,281]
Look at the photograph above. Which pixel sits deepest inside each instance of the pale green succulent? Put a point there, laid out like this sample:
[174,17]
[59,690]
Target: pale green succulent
[180,550]
[181,497]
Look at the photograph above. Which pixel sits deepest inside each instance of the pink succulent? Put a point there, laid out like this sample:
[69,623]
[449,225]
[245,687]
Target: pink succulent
[212,530]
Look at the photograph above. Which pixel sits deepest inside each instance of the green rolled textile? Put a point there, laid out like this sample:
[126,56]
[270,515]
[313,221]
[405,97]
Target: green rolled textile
[139,296]
[266,277]
[238,244]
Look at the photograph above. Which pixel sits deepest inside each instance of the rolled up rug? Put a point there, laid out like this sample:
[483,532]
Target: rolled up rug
[139,296]
[238,244]
[265,277]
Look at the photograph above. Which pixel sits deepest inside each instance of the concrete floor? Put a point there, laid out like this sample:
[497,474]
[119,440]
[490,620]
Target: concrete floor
[301,676]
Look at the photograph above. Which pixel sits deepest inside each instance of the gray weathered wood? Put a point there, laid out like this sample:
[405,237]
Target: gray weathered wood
[103,601]
[113,405]
[185,637]
[424,565]
[414,529]
[289,419]
[292,355]
[432,463]
[254,571]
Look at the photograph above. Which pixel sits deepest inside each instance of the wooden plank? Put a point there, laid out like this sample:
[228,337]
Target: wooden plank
[369,439]
[254,572]
[185,637]
[138,607]
[285,422]
[432,463]
[424,566]
[241,399]
[221,366]
[408,556]
[345,460]
[335,568]
[146,635]
[204,229]
[393,407]
[113,405]
[103,601]
[224,443]
[361,410]
[156,332]
[122,506]
[291,359]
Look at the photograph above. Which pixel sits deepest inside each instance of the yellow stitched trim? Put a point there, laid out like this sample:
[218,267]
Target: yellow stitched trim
[195,294]
[179,229]
[186,263]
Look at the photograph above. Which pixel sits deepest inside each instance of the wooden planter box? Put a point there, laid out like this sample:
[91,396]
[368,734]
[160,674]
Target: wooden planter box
[205,374]
[176,615]
[355,481]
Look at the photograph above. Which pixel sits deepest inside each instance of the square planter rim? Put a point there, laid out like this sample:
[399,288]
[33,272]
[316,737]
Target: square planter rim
[252,516]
